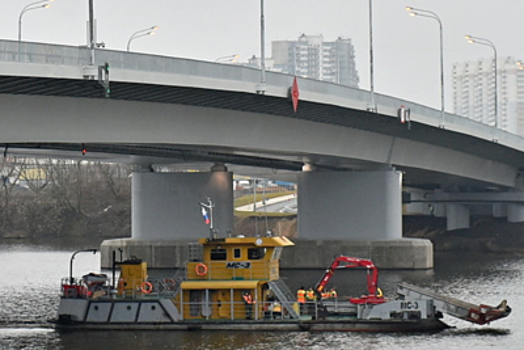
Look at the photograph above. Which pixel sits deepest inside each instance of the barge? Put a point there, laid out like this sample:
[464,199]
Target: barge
[233,283]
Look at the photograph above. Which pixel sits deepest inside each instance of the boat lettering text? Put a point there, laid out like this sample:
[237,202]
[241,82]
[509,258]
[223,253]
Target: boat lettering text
[410,305]
[238,265]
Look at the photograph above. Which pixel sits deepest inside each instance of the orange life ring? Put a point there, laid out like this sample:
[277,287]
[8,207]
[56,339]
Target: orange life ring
[146,287]
[170,283]
[201,269]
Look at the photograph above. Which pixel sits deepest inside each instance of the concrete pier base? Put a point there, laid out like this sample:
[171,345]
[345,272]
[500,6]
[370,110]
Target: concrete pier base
[404,253]
[156,253]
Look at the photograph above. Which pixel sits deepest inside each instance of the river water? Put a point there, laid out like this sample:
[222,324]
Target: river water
[31,272]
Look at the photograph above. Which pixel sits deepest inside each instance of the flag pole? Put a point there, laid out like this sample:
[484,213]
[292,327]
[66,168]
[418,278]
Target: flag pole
[210,205]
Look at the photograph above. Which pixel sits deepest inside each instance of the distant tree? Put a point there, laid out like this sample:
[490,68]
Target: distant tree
[117,178]
[9,176]
[58,197]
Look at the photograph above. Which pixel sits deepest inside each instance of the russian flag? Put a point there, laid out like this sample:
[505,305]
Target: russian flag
[206,217]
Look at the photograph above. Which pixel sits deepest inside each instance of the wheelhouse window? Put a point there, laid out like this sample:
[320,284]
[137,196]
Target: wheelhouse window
[237,253]
[256,253]
[277,253]
[218,254]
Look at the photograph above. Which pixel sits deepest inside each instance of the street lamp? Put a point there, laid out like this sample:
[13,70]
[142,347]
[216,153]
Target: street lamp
[32,6]
[230,58]
[261,87]
[141,33]
[486,42]
[372,107]
[429,14]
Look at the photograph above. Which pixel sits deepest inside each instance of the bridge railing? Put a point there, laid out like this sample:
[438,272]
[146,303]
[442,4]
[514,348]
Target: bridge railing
[26,52]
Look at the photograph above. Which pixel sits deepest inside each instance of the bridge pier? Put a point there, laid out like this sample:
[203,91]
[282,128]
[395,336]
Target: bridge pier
[351,213]
[166,214]
[515,212]
[354,213]
[457,216]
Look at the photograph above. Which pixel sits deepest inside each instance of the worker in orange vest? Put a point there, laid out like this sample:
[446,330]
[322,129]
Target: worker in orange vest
[311,299]
[301,299]
[248,301]
[310,295]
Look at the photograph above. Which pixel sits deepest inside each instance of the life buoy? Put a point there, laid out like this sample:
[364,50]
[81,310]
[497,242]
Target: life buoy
[379,293]
[170,283]
[146,287]
[201,269]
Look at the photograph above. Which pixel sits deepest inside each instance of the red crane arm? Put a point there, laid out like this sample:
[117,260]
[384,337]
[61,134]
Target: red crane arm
[350,262]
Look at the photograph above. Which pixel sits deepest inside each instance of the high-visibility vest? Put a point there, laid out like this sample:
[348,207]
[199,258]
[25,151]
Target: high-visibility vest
[310,295]
[277,308]
[325,295]
[333,294]
[301,296]
[248,299]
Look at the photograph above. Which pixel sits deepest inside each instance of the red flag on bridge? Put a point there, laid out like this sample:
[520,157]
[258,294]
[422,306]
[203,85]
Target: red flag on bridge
[294,94]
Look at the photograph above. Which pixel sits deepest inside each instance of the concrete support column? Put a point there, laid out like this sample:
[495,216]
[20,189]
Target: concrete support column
[166,215]
[350,205]
[500,210]
[355,214]
[166,205]
[515,212]
[457,216]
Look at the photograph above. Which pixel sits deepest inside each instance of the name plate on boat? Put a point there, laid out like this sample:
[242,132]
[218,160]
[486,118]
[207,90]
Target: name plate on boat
[238,265]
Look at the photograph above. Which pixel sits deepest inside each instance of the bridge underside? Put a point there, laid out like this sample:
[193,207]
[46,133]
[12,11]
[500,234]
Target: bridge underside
[162,133]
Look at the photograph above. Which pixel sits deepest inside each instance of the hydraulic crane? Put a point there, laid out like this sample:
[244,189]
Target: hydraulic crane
[346,262]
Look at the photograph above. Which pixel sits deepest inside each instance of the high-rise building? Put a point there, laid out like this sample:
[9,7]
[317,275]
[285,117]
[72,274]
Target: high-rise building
[474,93]
[310,56]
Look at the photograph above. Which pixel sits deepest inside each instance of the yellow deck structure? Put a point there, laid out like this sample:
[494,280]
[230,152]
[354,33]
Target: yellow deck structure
[229,268]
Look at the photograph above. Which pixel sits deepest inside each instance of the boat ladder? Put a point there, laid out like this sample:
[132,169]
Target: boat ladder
[282,292]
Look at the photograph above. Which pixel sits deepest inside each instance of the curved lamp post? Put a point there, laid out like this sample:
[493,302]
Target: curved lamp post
[71,280]
[429,14]
[486,42]
[141,33]
[42,4]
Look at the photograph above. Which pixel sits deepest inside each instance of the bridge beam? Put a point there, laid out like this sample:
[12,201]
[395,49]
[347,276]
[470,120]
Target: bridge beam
[459,206]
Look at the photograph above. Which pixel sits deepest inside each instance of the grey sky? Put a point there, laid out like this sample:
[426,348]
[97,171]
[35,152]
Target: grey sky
[406,49]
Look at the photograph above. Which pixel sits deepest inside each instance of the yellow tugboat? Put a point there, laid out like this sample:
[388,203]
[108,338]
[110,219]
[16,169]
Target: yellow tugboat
[234,283]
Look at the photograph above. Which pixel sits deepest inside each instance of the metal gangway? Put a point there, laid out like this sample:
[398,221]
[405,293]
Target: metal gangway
[479,314]
[282,292]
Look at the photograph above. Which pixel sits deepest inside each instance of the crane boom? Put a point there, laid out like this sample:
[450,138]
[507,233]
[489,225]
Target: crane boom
[347,262]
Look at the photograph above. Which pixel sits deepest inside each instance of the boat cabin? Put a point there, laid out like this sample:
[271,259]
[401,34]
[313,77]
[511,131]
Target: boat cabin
[230,269]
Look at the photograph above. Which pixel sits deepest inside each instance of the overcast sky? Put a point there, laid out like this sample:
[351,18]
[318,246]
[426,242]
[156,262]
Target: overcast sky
[406,49]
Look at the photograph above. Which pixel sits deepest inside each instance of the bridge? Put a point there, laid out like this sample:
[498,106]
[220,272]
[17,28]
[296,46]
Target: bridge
[351,164]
